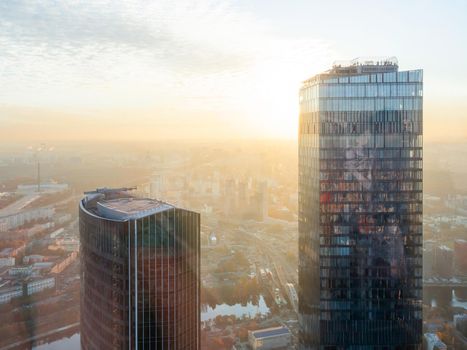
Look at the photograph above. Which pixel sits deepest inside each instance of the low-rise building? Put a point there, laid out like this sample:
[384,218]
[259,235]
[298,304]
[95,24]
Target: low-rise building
[37,286]
[11,252]
[7,262]
[18,219]
[67,244]
[45,187]
[270,338]
[62,265]
[44,265]
[20,271]
[10,293]
[30,259]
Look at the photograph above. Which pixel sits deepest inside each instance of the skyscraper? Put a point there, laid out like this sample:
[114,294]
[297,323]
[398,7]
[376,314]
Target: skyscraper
[360,207]
[140,263]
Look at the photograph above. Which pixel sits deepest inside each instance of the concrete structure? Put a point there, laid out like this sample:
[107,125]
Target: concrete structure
[360,207]
[270,338]
[140,263]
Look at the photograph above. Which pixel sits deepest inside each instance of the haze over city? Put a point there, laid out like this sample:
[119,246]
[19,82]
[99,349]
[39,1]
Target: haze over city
[233,175]
[133,70]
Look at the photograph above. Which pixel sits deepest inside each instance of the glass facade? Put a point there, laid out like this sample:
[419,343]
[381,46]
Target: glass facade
[360,210]
[140,280]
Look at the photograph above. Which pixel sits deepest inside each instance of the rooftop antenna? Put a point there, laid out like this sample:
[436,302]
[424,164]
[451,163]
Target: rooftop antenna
[42,147]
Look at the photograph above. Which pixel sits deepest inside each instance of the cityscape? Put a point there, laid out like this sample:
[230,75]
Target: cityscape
[215,175]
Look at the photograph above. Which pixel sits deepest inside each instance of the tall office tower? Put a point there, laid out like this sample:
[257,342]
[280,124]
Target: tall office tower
[140,263]
[360,207]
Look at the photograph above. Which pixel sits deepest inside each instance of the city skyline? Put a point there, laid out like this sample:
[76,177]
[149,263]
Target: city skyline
[138,71]
[233,175]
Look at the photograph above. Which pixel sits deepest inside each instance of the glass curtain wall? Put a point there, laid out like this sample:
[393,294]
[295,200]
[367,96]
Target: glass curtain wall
[360,211]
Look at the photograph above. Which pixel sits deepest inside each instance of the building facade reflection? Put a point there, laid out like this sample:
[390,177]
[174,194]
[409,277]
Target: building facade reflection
[360,207]
[140,267]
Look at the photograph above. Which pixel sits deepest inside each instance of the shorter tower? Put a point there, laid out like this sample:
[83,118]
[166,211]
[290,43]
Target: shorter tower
[140,266]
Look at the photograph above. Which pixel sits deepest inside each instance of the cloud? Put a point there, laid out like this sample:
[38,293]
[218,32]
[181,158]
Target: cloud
[181,55]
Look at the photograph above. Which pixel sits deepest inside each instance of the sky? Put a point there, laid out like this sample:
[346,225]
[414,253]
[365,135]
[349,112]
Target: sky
[155,70]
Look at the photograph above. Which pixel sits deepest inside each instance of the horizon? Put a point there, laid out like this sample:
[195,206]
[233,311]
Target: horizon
[209,70]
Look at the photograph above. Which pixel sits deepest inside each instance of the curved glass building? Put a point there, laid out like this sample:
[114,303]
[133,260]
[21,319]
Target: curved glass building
[360,207]
[140,266]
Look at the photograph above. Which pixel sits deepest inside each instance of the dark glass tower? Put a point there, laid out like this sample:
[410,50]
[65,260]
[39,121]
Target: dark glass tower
[140,261]
[360,207]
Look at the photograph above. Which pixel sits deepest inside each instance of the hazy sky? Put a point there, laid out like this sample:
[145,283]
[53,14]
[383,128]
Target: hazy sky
[210,69]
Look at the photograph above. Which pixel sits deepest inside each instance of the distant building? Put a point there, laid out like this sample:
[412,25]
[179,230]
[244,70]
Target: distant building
[37,286]
[66,244]
[7,262]
[230,197]
[45,187]
[443,261]
[432,342]
[30,259]
[460,257]
[157,186]
[270,338]
[57,232]
[12,221]
[43,265]
[63,218]
[140,264]
[12,252]
[62,265]
[7,294]
[20,271]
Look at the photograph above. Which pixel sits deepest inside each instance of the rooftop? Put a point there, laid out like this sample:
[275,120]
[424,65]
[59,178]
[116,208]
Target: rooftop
[359,66]
[120,204]
[130,208]
[367,61]
[270,332]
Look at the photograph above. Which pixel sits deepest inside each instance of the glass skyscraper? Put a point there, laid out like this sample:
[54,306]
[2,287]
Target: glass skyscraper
[360,207]
[140,264]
